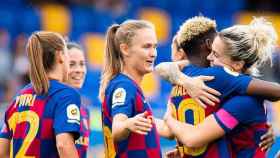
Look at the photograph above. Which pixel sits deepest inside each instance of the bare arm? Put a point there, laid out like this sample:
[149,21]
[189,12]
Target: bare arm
[5,148]
[195,136]
[163,129]
[66,146]
[120,129]
[122,126]
[269,90]
[171,71]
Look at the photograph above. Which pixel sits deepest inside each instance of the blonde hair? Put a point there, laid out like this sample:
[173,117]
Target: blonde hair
[41,49]
[253,43]
[116,35]
[194,27]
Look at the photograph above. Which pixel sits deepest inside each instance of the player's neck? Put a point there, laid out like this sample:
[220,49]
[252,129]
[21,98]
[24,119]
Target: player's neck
[134,75]
[55,75]
[197,61]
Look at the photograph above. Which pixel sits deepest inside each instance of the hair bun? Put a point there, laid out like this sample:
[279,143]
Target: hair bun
[264,38]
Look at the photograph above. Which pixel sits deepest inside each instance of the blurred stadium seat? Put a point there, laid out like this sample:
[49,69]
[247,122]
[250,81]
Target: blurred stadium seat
[56,18]
[8,20]
[95,45]
[30,20]
[160,19]
[150,85]
[82,21]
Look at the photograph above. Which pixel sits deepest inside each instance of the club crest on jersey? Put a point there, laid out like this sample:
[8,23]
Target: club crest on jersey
[233,73]
[73,114]
[118,97]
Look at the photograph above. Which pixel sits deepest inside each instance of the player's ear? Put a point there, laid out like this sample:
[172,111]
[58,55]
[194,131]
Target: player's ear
[208,44]
[238,65]
[59,57]
[182,55]
[124,49]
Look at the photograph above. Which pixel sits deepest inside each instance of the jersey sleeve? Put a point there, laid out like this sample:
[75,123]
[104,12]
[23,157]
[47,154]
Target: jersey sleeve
[123,99]
[228,82]
[239,109]
[5,131]
[67,113]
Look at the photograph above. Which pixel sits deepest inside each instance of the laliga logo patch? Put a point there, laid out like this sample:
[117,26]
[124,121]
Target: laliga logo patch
[118,97]
[73,114]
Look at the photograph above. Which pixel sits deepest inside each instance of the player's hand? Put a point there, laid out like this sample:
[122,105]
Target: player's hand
[173,154]
[201,93]
[268,139]
[140,124]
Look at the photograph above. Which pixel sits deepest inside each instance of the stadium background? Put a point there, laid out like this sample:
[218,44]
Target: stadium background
[85,21]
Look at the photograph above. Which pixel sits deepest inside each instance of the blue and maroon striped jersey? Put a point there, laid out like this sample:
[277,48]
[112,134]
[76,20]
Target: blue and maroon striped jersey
[83,142]
[32,121]
[187,110]
[124,96]
[243,118]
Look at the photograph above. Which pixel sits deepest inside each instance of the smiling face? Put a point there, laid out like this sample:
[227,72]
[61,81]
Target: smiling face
[217,57]
[142,51]
[77,70]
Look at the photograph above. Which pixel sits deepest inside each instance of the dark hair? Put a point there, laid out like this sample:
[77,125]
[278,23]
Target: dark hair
[71,45]
[193,45]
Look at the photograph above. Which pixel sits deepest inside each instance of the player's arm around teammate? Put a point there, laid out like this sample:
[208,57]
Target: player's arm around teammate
[263,35]
[171,71]
[195,86]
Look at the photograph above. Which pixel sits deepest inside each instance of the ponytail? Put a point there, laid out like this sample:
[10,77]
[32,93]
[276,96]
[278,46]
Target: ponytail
[116,35]
[113,59]
[38,75]
[253,43]
[41,51]
[264,39]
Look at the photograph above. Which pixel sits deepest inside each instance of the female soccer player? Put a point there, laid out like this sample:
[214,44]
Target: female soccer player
[177,55]
[43,120]
[127,116]
[234,113]
[76,78]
